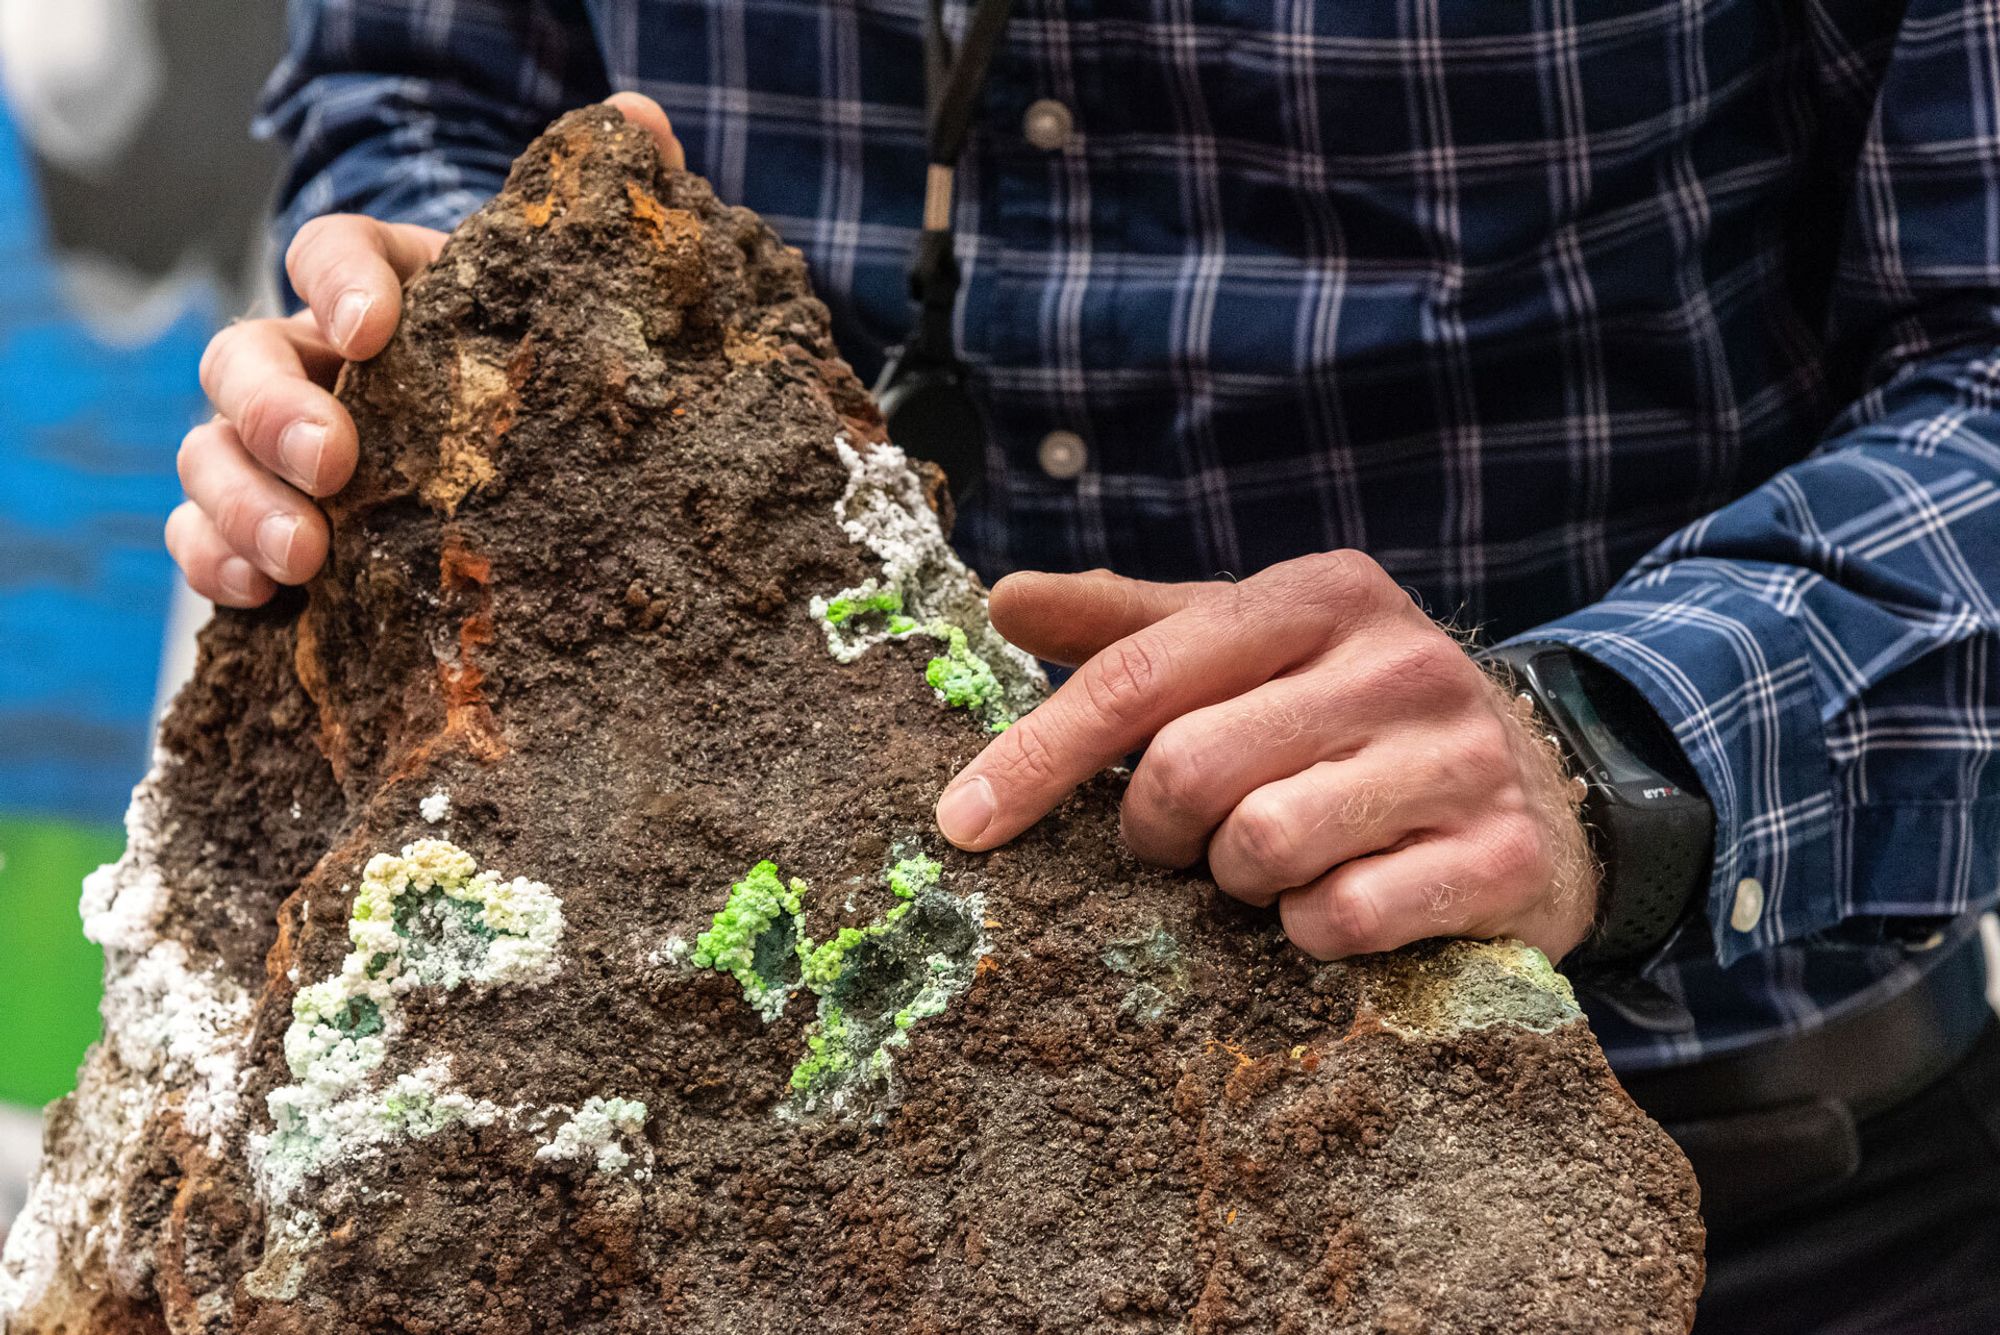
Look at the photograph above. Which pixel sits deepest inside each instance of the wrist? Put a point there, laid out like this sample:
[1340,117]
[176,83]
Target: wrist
[1575,879]
[1649,826]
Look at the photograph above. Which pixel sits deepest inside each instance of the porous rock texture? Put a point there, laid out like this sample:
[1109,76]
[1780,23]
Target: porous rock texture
[538,925]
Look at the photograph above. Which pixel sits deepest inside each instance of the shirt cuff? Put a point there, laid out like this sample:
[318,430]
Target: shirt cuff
[1731,675]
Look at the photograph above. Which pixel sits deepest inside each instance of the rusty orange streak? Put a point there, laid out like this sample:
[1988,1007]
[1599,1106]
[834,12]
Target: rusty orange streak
[648,210]
[311,672]
[468,718]
[1242,1058]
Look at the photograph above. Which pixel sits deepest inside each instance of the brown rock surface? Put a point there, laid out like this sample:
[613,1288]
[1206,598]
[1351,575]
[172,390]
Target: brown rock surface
[567,632]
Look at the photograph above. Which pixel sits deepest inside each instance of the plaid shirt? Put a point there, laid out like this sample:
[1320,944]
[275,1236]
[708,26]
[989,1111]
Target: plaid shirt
[1668,329]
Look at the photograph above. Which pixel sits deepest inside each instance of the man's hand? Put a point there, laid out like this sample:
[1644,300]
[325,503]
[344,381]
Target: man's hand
[279,437]
[1313,734]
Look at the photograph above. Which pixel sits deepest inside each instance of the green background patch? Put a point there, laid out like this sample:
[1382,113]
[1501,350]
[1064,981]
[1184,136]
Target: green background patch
[48,1010]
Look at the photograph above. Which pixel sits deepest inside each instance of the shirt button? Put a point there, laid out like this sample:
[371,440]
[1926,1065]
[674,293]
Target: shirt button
[1061,455]
[1047,124]
[1749,905]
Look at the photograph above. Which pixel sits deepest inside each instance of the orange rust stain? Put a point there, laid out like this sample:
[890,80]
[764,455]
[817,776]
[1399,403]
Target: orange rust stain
[986,965]
[563,183]
[867,431]
[648,210]
[538,214]
[459,567]
[466,713]
[468,718]
[475,632]
[1252,1077]
[1230,1219]
[1365,1022]
[312,679]
[747,349]
[1242,1058]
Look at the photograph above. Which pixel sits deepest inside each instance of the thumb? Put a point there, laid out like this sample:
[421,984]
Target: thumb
[647,114]
[1068,618]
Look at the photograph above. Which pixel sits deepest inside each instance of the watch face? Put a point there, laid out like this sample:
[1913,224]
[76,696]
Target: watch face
[1611,738]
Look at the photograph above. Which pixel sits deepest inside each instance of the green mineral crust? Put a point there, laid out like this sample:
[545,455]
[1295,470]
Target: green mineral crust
[872,983]
[757,938]
[964,680]
[424,918]
[1451,987]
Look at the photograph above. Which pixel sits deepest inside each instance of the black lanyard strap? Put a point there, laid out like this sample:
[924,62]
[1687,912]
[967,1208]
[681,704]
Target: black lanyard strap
[925,401]
[953,82]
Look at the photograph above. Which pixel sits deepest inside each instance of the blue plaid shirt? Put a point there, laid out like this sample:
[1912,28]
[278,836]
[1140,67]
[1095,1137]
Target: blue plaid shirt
[1668,329]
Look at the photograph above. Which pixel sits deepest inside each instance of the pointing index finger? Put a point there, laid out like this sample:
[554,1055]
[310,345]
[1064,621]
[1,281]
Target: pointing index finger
[1123,695]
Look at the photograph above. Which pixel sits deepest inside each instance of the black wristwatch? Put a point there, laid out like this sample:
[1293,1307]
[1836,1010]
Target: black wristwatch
[1650,824]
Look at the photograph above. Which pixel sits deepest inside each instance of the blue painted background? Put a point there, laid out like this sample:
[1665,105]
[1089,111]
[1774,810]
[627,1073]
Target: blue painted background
[88,432]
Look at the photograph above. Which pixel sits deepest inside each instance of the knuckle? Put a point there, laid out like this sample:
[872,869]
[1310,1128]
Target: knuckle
[260,416]
[1024,756]
[1485,749]
[215,358]
[1337,588]
[1174,769]
[1267,832]
[1344,576]
[1345,565]
[175,531]
[1427,666]
[1514,852]
[1123,679]
[1354,919]
[187,459]
[322,245]
[196,453]
[308,242]
[1332,920]
[235,514]
[301,246]
[1435,658]
[1233,602]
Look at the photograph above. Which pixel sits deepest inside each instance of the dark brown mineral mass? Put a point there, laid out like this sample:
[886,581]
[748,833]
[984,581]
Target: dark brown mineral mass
[538,925]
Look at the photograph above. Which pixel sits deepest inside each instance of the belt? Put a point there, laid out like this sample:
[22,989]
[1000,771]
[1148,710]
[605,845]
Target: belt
[1869,1060]
[1782,1117]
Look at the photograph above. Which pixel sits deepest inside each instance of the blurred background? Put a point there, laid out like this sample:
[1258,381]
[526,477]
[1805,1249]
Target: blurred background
[132,201]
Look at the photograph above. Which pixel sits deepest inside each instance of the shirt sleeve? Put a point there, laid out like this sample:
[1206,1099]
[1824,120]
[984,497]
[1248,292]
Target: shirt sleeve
[1824,648]
[413,110]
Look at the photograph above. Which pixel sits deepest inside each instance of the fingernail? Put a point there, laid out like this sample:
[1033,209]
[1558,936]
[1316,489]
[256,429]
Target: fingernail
[349,310]
[300,448]
[236,577]
[966,809]
[274,539]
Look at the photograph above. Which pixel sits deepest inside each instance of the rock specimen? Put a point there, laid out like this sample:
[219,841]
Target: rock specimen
[538,925]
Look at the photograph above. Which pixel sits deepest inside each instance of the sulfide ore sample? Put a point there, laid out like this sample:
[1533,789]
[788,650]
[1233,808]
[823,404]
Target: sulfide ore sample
[538,925]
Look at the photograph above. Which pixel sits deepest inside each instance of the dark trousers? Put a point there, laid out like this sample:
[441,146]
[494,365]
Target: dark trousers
[1908,1244]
